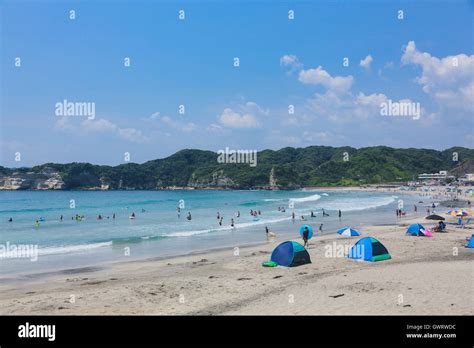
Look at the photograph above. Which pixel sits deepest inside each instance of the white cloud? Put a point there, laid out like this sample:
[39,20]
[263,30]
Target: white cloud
[349,107]
[233,119]
[243,116]
[319,76]
[185,127]
[103,125]
[365,63]
[290,61]
[449,80]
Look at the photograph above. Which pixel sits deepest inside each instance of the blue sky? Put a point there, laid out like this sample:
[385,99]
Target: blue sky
[189,62]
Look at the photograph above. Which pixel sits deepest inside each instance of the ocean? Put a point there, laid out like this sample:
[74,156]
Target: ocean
[157,231]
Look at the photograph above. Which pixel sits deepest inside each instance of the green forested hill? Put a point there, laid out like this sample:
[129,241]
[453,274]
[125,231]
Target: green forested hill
[289,168]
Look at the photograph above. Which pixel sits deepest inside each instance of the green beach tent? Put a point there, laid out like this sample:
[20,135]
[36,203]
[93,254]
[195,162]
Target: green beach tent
[369,249]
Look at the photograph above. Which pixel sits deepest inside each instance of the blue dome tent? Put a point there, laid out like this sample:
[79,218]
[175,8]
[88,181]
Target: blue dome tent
[369,249]
[290,254]
[470,244]
[416,230]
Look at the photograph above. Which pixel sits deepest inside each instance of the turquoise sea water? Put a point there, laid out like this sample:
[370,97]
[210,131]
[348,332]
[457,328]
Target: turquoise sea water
[158,231]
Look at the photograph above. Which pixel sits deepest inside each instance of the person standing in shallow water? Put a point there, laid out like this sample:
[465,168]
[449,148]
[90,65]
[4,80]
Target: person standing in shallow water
[340,214]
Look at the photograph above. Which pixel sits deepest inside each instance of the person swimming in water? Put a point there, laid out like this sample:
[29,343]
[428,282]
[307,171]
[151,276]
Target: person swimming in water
[10,220]
[220,221]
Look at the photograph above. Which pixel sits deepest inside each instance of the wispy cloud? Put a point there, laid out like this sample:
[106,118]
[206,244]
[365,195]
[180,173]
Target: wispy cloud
[365,63]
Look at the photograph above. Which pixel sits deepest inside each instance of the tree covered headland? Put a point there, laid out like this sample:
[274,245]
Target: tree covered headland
[285,168]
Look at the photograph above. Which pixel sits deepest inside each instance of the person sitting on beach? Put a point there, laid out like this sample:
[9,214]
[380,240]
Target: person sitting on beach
[305,235]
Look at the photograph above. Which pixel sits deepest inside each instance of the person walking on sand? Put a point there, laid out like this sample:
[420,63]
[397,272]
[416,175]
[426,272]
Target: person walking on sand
[268,233]
[305,236]
[415,209]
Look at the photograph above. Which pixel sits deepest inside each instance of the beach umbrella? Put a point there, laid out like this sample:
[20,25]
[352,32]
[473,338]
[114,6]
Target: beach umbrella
[434,217]
[348,232]
[462,213]
[310,231]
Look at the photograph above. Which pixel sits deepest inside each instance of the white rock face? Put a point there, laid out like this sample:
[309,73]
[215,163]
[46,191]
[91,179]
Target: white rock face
[32,181]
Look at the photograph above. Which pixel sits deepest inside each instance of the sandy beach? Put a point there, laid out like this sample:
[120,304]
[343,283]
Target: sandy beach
[425,276]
